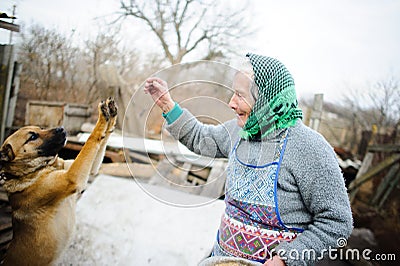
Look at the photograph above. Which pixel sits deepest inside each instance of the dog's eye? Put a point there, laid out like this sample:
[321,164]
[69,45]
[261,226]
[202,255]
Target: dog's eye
[33,136]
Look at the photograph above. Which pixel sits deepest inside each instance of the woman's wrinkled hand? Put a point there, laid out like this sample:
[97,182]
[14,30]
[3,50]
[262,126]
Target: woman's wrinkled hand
[158,89]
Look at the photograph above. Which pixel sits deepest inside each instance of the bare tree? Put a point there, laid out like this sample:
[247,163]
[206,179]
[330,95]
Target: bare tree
[185,26]
[54,63]
[385,98]
[46,56]
[55,68]
[110,64]
[379,107]
[98,52]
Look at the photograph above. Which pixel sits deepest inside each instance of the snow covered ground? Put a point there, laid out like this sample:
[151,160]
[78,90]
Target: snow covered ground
[122,222]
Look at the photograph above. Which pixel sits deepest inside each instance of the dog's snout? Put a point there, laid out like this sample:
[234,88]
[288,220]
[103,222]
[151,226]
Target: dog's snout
[53,142]
[60,129]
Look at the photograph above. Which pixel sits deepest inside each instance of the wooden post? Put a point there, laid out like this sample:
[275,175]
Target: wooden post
[13,95]
[316,112]
[6,70]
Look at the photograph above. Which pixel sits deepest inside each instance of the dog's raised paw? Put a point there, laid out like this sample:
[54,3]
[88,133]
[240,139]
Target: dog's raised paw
[103,108]
[112,107]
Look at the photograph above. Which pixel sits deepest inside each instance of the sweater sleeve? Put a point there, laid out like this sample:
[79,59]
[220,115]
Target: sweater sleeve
[321,186]
[174,114]
[207,140]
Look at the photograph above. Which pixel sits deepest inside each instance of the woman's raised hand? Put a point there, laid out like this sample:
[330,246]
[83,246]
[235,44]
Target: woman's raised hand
[158,89]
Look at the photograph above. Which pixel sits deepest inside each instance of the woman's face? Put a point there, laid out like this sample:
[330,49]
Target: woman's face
[241,102]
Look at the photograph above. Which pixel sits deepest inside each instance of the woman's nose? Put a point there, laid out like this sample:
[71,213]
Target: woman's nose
[232,102]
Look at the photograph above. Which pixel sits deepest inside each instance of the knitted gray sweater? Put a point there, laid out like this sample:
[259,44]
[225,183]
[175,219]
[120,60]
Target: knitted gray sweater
[311,190]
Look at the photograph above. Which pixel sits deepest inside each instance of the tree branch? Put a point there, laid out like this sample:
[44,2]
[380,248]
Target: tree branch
[190,24]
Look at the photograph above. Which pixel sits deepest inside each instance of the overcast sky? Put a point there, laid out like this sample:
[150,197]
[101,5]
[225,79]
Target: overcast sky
[329,46]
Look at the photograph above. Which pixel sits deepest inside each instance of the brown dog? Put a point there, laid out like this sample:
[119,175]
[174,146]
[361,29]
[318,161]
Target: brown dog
[42,193]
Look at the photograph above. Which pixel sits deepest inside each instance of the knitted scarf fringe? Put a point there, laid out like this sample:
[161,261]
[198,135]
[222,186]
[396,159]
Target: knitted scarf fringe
[279,114]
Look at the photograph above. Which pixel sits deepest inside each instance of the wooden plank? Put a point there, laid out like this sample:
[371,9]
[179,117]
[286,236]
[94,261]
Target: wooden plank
[195,181]
[201,161]
[142,171]
[384,184]
[5,226]
[374,171]
[141,158]
[183,172]
[150,146]
[44,114]
[114,156]
[169,173]
[9,26]
[384,148]
[178,178]
[6,237]
[128,159]
[214,188]
[363,169]
[163,170]
[200,172]
[393,183]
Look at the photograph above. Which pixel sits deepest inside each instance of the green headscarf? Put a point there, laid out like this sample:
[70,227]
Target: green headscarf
[276,106]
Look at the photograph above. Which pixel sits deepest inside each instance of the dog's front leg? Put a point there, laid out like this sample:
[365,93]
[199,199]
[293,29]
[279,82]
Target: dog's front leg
[102,149]
[79,171]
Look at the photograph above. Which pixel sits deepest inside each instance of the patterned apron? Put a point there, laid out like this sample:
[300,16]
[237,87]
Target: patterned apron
[251,226]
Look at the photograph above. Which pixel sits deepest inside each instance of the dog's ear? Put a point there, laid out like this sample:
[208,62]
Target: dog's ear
[6,154]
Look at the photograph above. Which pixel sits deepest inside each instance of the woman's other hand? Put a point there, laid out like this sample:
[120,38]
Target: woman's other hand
[274,261]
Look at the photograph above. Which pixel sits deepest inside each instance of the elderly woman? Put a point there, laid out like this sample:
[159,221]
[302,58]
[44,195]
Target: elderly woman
[286,201]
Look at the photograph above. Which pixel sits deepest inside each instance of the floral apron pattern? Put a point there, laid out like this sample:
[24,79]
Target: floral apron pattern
[251,226]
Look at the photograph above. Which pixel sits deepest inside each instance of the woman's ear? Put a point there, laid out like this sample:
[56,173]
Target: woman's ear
[6,154]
